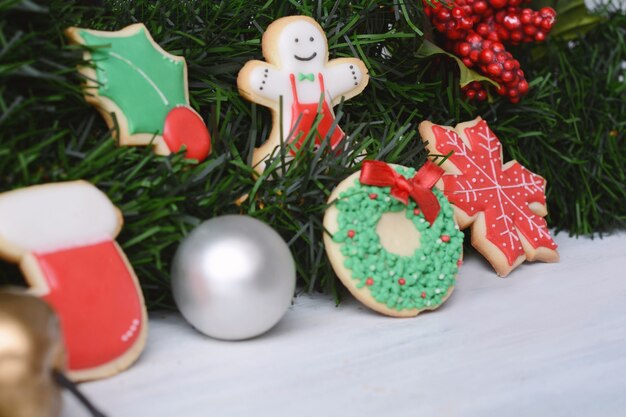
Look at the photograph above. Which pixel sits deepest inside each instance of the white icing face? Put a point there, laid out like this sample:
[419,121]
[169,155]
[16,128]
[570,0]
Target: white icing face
[302,47]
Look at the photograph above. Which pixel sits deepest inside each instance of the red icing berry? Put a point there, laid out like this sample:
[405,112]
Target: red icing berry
[416,212]
[351,233]
[184,127]
[445,238]
[373,196]
[401,281]
[423,294]
[369,281]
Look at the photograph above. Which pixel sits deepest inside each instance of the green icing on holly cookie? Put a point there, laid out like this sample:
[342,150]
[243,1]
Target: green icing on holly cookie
[137,76]
[401,282]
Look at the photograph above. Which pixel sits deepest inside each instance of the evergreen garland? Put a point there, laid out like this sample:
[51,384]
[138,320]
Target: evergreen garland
[570,128]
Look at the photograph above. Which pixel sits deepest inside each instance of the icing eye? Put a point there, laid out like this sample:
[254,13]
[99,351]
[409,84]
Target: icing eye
[311,39]
[296,40]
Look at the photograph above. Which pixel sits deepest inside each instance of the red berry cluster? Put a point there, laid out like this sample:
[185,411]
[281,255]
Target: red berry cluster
[515,25]
[476,31]
[475,91]
[495,62]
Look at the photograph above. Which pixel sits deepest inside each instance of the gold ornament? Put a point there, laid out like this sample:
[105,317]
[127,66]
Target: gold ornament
[31,349]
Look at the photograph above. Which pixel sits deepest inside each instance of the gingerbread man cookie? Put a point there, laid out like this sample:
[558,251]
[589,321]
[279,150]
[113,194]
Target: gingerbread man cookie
[299,74]
[392,239]
[141,91]
[62,236]
[504,203]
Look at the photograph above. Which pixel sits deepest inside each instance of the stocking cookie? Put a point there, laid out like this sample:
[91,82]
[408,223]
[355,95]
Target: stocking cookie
[141,91]
[392,239]
[298,71]
[62,236]
[504,203]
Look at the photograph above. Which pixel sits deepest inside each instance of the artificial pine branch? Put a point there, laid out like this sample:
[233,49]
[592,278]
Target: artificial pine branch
[570,128]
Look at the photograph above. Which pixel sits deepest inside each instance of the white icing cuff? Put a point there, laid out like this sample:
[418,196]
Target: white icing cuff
[52,217]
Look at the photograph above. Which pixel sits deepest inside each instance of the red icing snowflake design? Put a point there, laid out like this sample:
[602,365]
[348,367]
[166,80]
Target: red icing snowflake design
[505,204]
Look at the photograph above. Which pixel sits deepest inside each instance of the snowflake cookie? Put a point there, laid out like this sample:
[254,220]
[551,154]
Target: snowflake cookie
[504,203]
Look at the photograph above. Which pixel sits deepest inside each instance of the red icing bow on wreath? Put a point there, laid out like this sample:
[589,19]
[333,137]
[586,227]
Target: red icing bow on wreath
[419,187]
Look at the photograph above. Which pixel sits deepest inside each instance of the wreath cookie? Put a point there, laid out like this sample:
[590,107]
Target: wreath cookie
[392,239]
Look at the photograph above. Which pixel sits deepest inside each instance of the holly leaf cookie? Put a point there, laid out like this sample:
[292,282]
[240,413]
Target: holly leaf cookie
[504,203]
[62,235]
[299,77]
[141,90]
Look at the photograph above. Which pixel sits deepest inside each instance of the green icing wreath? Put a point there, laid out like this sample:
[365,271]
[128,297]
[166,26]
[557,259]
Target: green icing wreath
[420,281]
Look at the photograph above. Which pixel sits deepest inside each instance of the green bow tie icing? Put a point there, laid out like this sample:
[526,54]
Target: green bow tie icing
[308,76]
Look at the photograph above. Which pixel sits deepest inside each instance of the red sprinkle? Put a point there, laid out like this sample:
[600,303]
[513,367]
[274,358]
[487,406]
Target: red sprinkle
[445,238]
[351,233]
[373,196]
[423,294]
[401,281]
[459,262]
[369,281]
[416,211]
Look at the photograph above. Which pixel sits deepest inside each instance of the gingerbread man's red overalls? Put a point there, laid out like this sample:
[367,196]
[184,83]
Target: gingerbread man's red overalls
[304,114]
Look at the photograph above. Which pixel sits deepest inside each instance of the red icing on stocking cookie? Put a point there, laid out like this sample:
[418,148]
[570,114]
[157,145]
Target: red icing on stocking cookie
[103,329]
[504,203]
[62,235]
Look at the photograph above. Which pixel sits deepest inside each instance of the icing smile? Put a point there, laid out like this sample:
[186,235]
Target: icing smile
[307,58]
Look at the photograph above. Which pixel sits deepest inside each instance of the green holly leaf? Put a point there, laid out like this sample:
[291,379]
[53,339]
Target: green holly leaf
[466,75]
[135,79]
[573,19]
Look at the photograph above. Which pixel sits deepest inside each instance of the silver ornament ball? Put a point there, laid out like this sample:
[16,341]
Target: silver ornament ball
[233,277]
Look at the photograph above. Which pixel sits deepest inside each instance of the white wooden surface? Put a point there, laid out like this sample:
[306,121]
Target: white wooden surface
[550,340]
